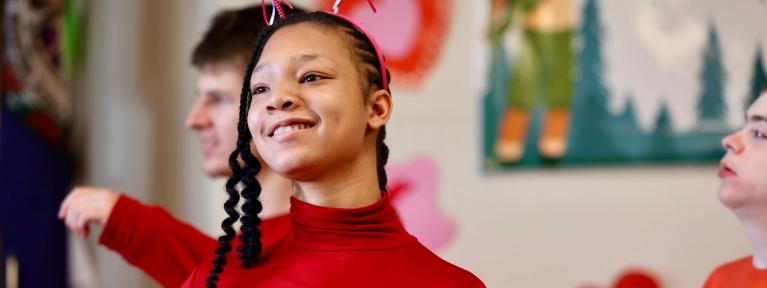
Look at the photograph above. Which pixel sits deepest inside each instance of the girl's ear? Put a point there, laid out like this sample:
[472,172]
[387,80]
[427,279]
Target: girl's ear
[379,109]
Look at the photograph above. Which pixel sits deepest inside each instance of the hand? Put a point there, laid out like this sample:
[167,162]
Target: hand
[86,205]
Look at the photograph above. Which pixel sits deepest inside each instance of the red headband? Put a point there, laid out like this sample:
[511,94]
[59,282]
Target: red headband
[275,7]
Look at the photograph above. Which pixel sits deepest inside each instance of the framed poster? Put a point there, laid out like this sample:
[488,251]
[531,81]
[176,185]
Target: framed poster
[592,82]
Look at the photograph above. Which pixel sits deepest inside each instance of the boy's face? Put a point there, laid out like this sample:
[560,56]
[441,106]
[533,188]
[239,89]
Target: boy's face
[214,114]
[743,170]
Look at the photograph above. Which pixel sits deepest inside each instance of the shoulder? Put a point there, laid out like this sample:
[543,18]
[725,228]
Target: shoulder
[736,265]
[439,271]
[459,277]
[728,271]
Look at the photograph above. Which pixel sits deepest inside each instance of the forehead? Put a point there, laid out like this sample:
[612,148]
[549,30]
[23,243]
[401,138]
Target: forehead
[303,39]
[222,68]
[220,74]
[759,107]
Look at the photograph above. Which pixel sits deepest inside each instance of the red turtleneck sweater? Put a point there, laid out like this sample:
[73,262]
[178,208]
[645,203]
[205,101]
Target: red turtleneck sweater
[740,273]
[328,247]
[161,245]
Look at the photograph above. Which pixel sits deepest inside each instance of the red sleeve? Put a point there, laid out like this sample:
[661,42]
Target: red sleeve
[156,242]
[190,281]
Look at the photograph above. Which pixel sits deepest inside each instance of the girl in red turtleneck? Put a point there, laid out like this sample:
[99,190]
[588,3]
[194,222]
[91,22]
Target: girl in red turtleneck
[315,102]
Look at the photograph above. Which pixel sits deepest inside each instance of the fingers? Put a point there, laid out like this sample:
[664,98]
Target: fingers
[77,220]
[69,220]
[75,195]
[81,222]
[85,205]
[65,204]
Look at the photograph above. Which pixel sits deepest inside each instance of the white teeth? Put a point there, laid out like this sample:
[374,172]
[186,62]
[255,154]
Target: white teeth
[289,128]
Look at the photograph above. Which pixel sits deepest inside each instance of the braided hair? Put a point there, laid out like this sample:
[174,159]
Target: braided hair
[250,247]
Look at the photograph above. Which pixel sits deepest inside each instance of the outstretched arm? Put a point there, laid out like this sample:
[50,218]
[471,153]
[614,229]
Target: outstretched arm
[146,236]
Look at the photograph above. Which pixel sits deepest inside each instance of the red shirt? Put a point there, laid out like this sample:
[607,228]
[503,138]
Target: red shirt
[328,247]
[165,248]
[740,274]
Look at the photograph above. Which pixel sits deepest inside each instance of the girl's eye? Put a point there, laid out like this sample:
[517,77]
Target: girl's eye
[260,90]
[311,78]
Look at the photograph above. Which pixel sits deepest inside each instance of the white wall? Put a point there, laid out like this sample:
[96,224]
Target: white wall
[544,228]
[137,87]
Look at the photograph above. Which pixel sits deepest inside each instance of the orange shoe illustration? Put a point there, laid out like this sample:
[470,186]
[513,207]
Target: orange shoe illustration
[510,143]
[553,141]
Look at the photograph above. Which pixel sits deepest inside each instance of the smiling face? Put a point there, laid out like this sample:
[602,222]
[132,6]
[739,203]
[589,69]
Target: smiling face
[309,114]
[743,169]
[214,114]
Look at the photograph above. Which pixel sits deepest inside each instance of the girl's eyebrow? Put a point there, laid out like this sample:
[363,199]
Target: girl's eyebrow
[261,67]
[296,60]
[305,58]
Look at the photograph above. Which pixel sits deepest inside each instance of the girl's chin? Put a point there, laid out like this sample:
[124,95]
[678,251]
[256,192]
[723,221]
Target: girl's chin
[293,171]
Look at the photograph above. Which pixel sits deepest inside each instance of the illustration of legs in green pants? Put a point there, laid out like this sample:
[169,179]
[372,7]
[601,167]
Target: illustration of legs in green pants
[543,69]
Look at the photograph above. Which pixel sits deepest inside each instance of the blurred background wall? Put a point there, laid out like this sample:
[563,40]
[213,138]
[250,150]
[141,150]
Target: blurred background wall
[137,86]
[545,227]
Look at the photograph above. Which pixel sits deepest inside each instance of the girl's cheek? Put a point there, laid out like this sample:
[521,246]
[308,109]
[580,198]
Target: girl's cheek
[252,124]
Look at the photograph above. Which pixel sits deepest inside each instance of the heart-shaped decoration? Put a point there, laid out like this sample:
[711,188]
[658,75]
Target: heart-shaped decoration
[410,32]
[414,192]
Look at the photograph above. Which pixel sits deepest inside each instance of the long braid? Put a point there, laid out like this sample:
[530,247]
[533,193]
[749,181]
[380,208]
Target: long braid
[243,142]
[250,236]
[230,206]
[382,156]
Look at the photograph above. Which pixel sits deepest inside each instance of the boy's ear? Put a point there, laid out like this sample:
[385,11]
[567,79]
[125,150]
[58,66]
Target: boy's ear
[379,109]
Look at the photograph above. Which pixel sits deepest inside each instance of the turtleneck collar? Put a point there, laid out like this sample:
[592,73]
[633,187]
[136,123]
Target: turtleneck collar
[373,227]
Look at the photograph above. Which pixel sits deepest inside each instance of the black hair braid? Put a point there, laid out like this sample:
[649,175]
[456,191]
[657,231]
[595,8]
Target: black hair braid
[250,236]
[230,206]
[243,140]
[382,156]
